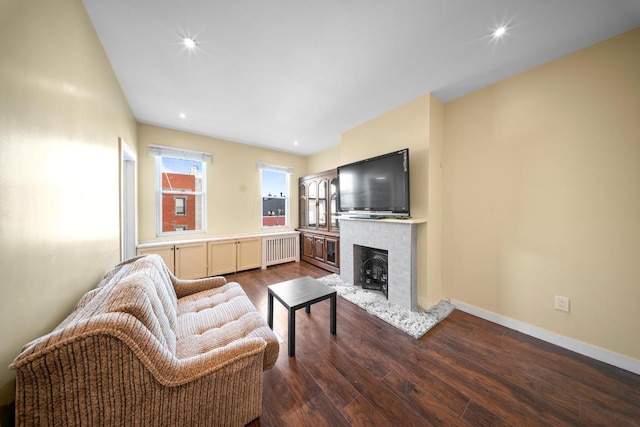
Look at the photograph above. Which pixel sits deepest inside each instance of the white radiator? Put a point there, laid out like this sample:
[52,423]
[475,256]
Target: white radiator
[280,248]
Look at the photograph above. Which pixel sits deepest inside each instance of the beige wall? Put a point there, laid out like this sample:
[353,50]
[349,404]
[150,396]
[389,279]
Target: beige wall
[542,196]
[414,125]
[432,289]
[325,160]
[404,127]
[234,204]
[61,113]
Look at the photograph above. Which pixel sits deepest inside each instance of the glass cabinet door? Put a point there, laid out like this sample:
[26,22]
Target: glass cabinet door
[302,205]
[312,201]
[331,248]
[322,203]
[334,219]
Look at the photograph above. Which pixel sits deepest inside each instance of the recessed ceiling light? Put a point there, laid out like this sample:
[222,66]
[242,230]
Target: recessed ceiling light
[189,43]
[295,143]
[499,32]
[182,115]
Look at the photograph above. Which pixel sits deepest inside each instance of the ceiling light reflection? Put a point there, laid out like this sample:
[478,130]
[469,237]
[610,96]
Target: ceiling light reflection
[189,43]
[499,32]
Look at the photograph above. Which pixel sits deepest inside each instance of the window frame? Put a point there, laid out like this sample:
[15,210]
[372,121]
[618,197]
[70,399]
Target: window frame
[203,158]
[287,172]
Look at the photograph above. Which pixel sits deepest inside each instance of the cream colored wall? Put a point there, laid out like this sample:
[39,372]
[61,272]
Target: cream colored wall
[433,239]
[325,160]
[61,113]
[404,127]
[408,126]
[541,196]
[234,204]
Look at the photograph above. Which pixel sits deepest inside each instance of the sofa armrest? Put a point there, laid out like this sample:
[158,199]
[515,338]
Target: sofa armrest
[188,287]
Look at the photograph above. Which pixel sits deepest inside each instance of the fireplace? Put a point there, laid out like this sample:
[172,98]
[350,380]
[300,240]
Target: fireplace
[396,237]
[374,267]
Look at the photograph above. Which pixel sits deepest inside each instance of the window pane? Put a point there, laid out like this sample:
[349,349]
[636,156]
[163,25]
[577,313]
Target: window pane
[181,212]
[274,184]
[275,193]
[181,167]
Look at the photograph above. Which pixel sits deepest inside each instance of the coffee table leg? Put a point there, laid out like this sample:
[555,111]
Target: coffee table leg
[270,310]
[308,309]
[333,314]
[292,332]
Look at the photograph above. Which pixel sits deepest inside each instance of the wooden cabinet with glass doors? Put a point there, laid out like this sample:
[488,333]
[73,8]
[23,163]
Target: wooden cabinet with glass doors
[319,220]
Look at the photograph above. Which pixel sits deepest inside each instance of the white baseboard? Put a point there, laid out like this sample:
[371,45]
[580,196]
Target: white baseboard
[597,353]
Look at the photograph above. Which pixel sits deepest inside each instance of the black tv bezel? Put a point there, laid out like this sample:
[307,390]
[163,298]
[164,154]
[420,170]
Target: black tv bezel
[368,213]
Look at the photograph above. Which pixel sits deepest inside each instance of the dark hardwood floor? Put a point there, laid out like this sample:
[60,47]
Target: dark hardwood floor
[465,371]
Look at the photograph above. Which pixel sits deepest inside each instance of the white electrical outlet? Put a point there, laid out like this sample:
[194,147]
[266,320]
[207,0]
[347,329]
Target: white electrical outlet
[562,303]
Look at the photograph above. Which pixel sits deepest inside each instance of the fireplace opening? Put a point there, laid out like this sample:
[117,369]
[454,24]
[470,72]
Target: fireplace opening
[374,267]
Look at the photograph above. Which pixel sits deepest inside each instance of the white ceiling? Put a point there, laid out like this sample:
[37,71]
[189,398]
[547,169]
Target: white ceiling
[271,72]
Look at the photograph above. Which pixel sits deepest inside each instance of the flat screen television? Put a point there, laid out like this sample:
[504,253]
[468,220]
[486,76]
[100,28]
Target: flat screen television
[376,187]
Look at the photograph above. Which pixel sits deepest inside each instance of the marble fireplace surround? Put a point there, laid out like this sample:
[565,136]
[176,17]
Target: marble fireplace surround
[399,237]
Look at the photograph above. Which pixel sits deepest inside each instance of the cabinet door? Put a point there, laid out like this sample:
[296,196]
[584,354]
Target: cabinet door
[323,203]
[312,204]
[191,260]
[222,257]
[166,252]
[332,251]
[334,219]
[318,248]
[302,205]
[249,253]
[307,245]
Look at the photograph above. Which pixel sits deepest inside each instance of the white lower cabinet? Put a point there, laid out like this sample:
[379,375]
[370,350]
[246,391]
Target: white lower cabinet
[191,260]
[230,256]
[185,260]
[166,252]
[208,258]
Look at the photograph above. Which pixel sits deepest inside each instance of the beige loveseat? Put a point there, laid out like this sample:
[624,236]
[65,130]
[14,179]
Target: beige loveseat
[145,348]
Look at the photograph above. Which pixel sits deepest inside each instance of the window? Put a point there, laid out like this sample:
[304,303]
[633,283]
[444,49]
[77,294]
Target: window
[181,205]
[275,194]
[181,190]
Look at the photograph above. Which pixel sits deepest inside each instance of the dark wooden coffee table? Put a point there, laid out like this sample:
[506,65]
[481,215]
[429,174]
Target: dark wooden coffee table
[295,294]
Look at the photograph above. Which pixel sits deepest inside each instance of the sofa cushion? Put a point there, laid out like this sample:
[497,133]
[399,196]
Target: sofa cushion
[246,326]
[154,267]
[217,317]
[220,308]
[210,298]
[138,296]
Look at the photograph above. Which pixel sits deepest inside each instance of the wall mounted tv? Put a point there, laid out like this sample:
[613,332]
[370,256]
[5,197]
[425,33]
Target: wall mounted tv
[376,187]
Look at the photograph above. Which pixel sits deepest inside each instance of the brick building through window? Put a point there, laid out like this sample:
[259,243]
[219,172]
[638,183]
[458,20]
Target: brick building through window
[181,177]
[178,211]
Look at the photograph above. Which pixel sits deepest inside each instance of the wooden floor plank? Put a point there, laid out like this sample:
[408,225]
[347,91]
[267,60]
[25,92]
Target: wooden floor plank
[465,371]
[555,375]
[360,412]
[393,408]
[486,388]
[478,415]
[478,350]
[416,394]
[412,377]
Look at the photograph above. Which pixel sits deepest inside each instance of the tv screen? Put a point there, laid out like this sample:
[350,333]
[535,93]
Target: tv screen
[378,186]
